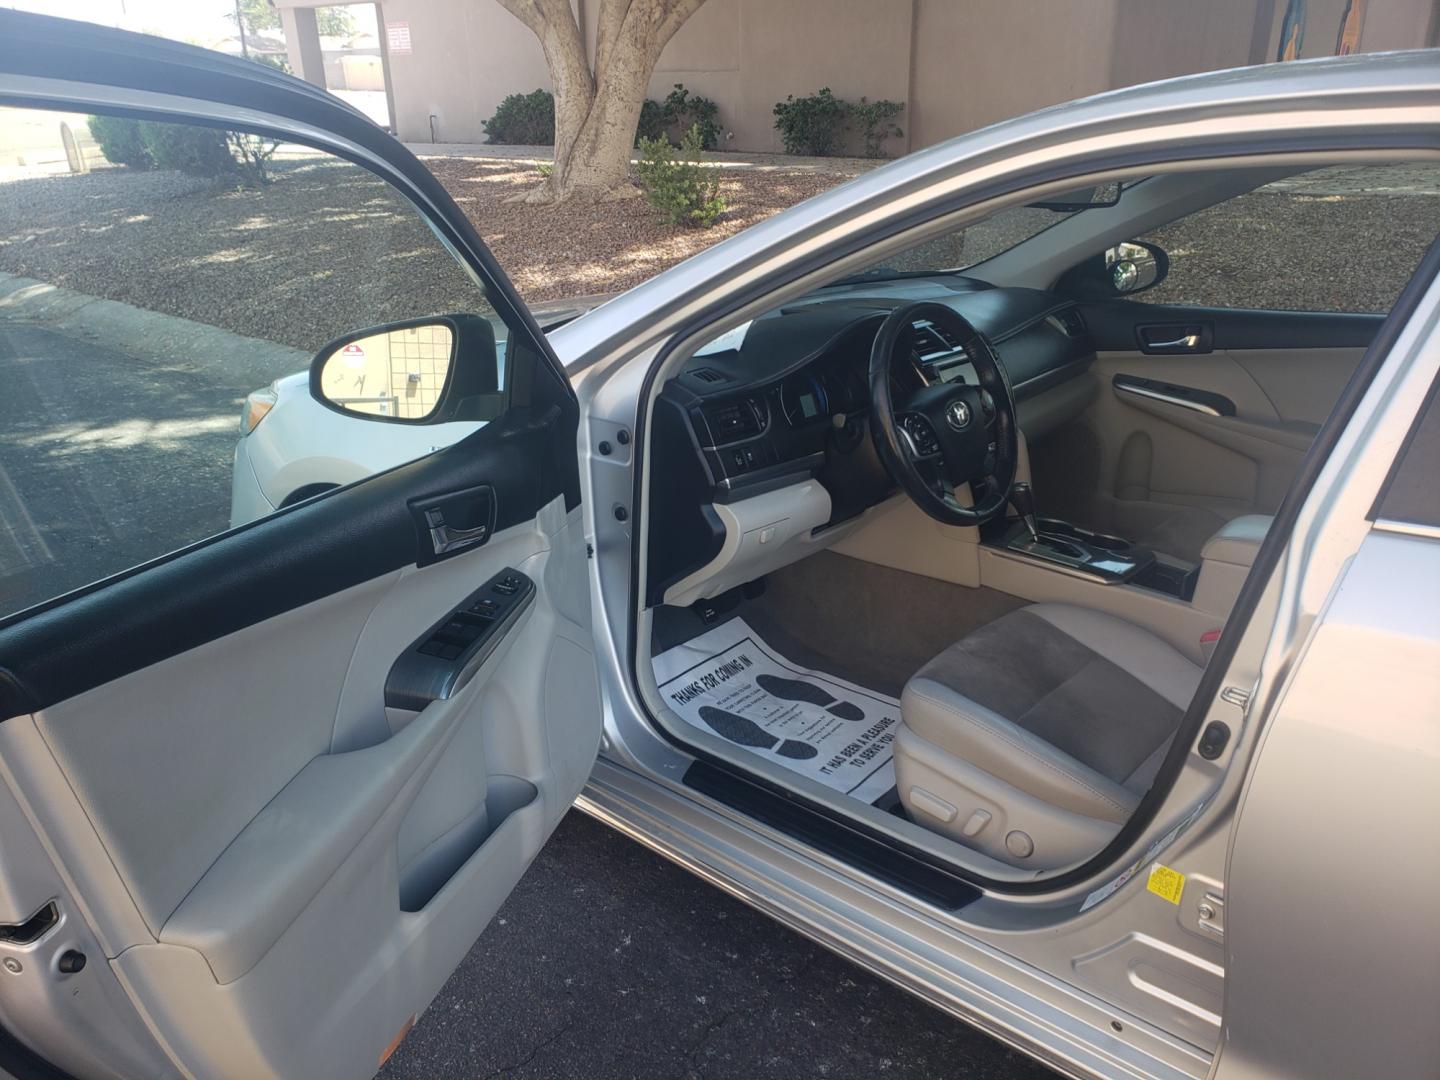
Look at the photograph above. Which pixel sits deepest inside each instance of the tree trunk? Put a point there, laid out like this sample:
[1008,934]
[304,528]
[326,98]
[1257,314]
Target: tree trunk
[597,112]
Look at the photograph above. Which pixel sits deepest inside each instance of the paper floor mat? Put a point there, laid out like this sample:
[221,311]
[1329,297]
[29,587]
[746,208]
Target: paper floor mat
[729,683]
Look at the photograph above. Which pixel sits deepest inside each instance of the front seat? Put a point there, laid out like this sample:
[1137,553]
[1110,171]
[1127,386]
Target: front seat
[1034,738]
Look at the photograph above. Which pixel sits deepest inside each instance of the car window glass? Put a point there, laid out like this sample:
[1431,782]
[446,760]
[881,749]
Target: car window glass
[1337,239]
[163,289]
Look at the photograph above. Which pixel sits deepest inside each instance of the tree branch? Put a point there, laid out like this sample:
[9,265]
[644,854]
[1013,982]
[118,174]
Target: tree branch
[679,11]
[612,19]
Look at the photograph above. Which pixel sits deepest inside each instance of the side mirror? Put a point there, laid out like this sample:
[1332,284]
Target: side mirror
[1128,267]
[425,371]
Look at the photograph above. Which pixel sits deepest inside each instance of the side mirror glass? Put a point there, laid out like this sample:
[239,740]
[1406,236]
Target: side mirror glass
[1127,268]
[425,371]
[1133,267]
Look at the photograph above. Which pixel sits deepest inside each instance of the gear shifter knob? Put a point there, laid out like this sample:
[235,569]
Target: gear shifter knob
[1022,498]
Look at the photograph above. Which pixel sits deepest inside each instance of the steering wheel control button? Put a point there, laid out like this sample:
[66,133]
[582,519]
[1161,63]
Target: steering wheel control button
[1019,844]
[922,438]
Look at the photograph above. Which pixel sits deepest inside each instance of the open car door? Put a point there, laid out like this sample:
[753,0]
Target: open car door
[259,796]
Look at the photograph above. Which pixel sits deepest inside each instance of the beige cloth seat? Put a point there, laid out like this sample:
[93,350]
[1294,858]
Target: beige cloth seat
[1034,738]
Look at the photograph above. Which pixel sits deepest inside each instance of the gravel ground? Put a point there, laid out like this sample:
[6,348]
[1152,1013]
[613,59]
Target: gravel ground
[327,248]
[1357,233]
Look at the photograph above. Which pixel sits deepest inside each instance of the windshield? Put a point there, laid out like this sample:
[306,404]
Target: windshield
[965,247]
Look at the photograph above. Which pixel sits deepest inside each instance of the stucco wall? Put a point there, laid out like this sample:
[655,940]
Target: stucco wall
[465,56]
[958,64]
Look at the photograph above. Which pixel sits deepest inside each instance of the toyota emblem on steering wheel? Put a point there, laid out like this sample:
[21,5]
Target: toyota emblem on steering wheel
[957,415]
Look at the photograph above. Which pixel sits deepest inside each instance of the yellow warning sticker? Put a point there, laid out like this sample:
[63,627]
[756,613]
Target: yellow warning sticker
[1166,883]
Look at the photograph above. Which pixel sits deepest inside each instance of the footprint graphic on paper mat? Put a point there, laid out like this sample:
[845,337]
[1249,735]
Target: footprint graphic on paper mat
[743,730]
[799,690]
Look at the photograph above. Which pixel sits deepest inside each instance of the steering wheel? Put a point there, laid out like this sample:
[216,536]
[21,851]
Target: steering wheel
[943,435]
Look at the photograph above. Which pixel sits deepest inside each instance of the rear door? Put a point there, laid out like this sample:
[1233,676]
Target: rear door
[262,788]
[1213,383]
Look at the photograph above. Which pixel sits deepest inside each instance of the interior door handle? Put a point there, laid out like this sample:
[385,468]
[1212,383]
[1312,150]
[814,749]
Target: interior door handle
[446,538]
[1175,337]
[1186,341]
[448,524]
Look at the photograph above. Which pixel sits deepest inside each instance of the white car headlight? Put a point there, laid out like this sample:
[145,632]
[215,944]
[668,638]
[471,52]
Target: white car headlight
[257,404]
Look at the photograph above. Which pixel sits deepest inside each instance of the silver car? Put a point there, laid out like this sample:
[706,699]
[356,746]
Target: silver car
[939,566]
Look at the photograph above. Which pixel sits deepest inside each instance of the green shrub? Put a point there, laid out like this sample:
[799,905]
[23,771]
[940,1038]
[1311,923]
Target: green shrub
[811,125]
[652,121]
[523,120]
[197,151]
[683,110]
[876,121]
[252,155]
[677,184]
[120,141]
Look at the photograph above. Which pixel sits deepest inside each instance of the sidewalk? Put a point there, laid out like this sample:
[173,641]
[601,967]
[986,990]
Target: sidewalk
[725,159]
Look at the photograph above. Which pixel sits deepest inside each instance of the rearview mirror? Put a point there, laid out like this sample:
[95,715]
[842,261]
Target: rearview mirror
[424,371]
[1088,198]
[1127,268]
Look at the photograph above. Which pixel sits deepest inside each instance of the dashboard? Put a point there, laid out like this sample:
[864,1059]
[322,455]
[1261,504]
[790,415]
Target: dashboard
[784,402]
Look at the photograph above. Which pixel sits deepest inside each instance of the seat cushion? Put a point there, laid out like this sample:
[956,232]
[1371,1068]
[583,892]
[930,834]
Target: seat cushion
[1071,705]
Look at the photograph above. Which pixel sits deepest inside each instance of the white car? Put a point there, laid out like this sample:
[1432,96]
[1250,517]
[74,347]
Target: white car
[302,449]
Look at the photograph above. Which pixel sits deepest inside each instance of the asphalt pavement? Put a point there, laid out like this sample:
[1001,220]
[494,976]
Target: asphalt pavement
[610,961]
[607,961]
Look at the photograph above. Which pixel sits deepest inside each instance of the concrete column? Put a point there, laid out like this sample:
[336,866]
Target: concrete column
[302,42]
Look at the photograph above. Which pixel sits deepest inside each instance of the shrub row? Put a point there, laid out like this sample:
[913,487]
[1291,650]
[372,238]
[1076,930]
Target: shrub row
[529,119]
[817,125]
[198,151]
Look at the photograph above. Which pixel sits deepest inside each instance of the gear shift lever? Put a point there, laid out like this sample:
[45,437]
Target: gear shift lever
[1022,498]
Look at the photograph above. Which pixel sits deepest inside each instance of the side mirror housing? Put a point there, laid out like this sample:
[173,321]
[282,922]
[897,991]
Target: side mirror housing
[435,370]
[1127,268]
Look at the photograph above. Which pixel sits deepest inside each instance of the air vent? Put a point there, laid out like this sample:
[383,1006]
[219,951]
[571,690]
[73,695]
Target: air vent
[932,341]
[709,375]
[733,421]
[1069,322]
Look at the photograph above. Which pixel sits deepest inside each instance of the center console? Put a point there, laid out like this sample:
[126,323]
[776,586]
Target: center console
[1070,547]
[1096,556]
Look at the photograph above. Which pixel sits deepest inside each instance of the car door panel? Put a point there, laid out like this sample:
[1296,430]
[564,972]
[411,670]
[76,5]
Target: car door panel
[270,867]
[253,826]
[1179,440]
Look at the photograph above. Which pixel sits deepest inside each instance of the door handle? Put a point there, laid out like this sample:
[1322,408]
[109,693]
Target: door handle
[445,538]
[448,524]
[1186,341]
[1175,337]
